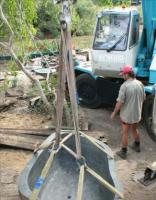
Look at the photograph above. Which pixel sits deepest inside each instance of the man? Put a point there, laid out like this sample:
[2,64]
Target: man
[129,103]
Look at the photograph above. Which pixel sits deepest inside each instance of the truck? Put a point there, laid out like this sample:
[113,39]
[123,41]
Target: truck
[121,38]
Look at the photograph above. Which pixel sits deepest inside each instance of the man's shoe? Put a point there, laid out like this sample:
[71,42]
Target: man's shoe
[122,154]
[136,147]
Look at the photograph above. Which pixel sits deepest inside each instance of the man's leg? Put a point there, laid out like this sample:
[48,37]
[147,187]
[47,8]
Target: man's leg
[136,136]
[135,132]
[125,130]
[123,152]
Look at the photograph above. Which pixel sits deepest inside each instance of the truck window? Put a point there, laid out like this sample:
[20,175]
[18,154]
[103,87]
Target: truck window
[134,31]
[112,31]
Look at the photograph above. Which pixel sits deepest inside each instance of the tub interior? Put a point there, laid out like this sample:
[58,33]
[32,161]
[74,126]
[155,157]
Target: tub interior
[62,180]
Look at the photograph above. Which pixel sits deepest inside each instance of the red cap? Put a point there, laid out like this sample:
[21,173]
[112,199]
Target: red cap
[126,70]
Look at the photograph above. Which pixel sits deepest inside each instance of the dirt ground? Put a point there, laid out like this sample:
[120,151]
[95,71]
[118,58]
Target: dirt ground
[127,170]
[13,161]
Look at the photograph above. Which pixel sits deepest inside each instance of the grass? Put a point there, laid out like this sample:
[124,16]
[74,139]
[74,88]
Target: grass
[81,42]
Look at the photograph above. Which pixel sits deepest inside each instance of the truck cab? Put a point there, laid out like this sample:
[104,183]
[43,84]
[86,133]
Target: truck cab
[115,44]
[116,41]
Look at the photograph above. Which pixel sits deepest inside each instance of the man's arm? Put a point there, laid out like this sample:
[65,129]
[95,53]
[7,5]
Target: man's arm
[120,100]
[116,109]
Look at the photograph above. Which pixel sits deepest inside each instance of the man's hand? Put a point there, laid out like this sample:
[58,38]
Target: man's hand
[116,109]
[113,115]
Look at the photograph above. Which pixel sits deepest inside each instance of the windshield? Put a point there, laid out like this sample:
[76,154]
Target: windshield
[112,32]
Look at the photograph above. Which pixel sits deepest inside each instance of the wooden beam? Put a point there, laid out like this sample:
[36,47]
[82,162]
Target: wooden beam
[42,132]
[80,183]
[105,183]
[22,141]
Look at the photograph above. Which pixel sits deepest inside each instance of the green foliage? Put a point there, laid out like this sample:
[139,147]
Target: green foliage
[83,16]
[75,20]
[111,2]
[86,12]
[18,13]
[39,107]
[44,16]
[82,42]
[12,68]
[52,84]
[103,2]
[4,85]
[48,19]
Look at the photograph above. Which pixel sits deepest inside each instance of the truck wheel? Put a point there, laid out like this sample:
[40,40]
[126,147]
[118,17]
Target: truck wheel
[147,116]
[87,91]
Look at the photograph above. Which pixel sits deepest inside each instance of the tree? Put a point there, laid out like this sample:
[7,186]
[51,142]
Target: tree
[103,2]
[47,18]
[86,12]
[83,18]
[18,14]
[111,2]
[17,20]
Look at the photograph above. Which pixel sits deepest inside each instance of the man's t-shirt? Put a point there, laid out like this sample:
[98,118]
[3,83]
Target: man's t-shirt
[132,95]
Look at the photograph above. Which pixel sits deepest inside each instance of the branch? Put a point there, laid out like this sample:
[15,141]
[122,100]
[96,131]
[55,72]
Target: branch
[29,75]
[4,44]
[32,78]
[5,19]
[2,2]
[8,46]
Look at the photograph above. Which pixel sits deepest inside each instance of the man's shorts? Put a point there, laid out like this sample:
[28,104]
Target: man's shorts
[125,123]
[122,122]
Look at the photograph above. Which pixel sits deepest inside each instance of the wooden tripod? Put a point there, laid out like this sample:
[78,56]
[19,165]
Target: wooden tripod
[66,72]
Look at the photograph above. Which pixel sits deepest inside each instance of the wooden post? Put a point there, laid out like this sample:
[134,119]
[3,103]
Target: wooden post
[67,53]
[81,182]
[60,95]
[105,183]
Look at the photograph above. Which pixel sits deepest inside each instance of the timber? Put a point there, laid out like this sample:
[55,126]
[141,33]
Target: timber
[23,141]
[42,132]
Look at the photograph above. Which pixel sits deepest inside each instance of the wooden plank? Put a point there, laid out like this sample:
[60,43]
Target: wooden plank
[22,141]
[42,132]
[44,173]
[105,183]
[81,183]
[60,96]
